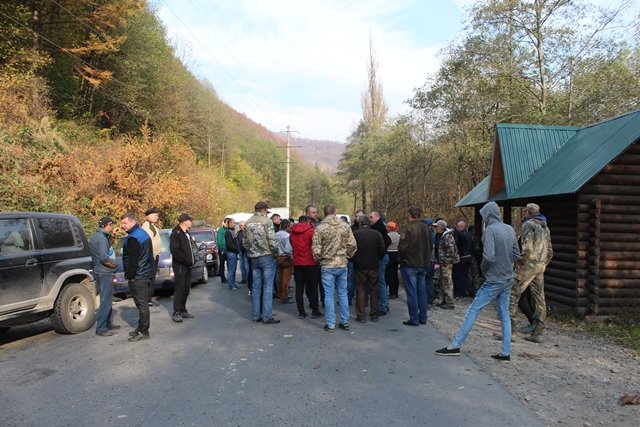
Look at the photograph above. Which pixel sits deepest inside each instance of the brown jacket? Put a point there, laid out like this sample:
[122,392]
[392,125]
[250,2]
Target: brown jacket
[414,248]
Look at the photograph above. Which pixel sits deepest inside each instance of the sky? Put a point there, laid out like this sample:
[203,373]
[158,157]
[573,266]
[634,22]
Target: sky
[304,63]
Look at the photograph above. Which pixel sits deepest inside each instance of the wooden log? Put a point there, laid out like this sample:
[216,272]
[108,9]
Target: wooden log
[618,283]
[619,274]
[633,247]
[619,302]
[567,248]
[558,290]
[628,159]
[613,179]
[619,227]
[621,190]
[610,198]
[564,266]
[562,274]
[620,217]
[619,237]
[621,169]
[562,299]
[618,256]
[564,257]
[605,293]
[618,265]
[560,282]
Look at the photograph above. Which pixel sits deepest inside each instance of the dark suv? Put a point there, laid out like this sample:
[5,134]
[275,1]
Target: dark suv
[45,271]
[207,236]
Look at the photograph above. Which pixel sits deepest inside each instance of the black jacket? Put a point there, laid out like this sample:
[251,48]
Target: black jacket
[382,229]
[137,255]
[180,247]
[371,249]
[231,242]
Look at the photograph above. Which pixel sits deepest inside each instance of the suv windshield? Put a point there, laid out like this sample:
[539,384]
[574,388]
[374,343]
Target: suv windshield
[203,236]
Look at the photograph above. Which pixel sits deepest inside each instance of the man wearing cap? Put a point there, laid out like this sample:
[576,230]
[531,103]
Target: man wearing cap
[151,216]
[261,244]
[536,253]
[104,268]
[182,260]
[137,259]
[446,256]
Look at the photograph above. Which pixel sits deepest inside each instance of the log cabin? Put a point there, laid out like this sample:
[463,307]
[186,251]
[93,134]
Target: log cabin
[587,183]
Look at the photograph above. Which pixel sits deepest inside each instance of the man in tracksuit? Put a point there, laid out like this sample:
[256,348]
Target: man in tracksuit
[139,270]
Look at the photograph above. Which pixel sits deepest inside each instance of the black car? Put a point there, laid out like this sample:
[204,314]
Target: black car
[164,276]
[45,271]
[207,236]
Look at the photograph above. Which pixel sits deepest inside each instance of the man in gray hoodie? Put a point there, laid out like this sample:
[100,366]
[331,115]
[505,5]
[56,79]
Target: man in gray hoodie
[500,250]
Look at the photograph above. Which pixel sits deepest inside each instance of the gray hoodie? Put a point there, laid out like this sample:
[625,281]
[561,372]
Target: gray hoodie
[500,245]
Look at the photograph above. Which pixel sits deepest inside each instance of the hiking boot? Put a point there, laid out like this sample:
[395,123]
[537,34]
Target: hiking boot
[527,329]
[536,336]
[501,357]
[498,336]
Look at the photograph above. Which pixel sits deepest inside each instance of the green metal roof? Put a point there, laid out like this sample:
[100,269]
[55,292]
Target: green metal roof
[525,148]
[477,195]
[582,157]
[553,160]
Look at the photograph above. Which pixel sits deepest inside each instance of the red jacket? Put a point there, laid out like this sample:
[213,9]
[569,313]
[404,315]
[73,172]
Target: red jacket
[301,237]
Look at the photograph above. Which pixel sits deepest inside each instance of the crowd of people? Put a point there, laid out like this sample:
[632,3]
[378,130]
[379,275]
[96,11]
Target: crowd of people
[332,262]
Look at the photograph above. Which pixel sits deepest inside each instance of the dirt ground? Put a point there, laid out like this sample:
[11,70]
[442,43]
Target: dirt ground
[571,379]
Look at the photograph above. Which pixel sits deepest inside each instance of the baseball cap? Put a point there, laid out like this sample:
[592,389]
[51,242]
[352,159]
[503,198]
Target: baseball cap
[105,220]
[185,217]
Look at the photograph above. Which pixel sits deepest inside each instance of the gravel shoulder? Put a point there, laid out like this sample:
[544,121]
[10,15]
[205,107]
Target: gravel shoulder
[571,379]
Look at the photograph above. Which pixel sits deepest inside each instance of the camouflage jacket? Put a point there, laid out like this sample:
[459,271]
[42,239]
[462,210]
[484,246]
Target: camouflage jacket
[535,240]
[259,238]
[333,242]
[447,250]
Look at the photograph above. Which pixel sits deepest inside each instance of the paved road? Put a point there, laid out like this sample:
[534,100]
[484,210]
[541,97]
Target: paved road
[220,369]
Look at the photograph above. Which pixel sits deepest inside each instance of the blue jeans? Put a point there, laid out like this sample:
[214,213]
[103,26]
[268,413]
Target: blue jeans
[500,290]
[232,262]
[104,282]
[415,284]
[335,278]
[383,290]
[242,258]
[264,271]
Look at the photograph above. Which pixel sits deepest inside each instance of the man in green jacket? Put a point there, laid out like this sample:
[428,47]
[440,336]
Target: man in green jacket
[222,248]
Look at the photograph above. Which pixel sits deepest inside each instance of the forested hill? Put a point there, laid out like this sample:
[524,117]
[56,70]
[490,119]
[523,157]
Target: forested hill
[98,115]
[323,153]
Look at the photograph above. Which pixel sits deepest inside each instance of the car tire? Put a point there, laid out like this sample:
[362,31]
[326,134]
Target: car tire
[74,310]
[205,275]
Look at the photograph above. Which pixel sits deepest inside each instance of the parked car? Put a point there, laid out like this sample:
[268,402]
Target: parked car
[207,236]
[164,276]
[45,271]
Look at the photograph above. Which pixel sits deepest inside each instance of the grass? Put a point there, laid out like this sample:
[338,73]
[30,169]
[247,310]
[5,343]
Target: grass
[623,329]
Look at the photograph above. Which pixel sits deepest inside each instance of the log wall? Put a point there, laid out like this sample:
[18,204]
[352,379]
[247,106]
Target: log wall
[563,288]
[608,235]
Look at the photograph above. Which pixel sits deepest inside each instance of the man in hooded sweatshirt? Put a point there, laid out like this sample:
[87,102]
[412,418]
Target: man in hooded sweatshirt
[537,251]
[500,250]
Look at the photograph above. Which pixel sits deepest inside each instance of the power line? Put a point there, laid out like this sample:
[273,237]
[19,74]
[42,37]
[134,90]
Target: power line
[123,103]
[231,78]
[215,33]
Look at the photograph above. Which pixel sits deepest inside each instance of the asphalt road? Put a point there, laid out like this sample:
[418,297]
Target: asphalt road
[221,369]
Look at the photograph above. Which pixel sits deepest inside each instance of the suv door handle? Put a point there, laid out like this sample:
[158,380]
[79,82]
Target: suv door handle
[31,262]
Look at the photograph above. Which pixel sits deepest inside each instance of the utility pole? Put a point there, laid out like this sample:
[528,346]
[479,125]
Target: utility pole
[288,182]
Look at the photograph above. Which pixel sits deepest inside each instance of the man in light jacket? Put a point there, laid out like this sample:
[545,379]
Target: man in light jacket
[500,250]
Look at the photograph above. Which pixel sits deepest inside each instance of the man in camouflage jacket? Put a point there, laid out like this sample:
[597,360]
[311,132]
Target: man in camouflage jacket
[260,242]
[446,256]
[536,253]
[333,244]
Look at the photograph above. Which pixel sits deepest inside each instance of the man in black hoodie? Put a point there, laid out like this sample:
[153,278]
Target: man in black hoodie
[182,261]
[377,223]
[370,250]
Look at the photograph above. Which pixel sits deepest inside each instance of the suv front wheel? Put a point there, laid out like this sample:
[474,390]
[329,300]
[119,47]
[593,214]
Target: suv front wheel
[74,310]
